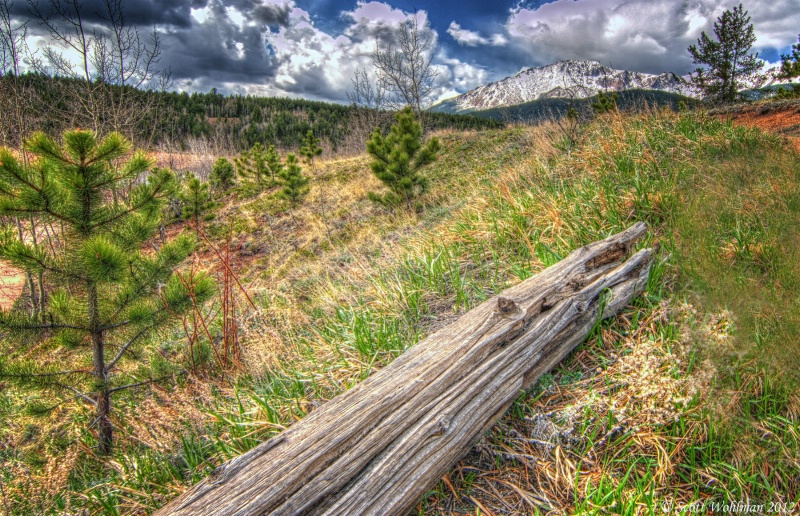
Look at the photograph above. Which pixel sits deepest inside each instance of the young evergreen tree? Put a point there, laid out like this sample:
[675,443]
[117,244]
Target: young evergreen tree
[727,57]
[605,102]
[253,164]
[274,164]
[196,199]
[790,69]
[295,184]
[398,159]
[106,296]
[222,175]
[310,148]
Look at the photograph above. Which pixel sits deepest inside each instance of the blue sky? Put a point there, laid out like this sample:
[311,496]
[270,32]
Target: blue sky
[311,48]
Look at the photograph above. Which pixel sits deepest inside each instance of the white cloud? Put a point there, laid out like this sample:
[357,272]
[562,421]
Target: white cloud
[470,38]
[318,64]
[643,35]
[458,75]
[311,61]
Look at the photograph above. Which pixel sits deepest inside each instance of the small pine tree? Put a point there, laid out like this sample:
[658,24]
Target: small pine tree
[173,208]
[398,159]
[728,57]
[106,296]
[295,184]
[310,148]
[274,164]
[253,164]
[605,102]
[222,175]
[196,199]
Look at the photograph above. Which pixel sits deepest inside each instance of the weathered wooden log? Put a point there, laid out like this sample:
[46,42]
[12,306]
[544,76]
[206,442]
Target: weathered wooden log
[377,448]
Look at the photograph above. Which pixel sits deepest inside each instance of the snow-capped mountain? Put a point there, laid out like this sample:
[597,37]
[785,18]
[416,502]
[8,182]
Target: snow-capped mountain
[576,79]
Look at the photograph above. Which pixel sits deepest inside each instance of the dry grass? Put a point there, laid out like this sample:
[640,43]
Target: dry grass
[638,416]
[580,427]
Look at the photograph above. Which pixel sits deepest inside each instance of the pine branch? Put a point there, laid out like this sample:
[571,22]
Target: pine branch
[146,382]
[44,265]
[45,375]
[46,209]
[150,198]
[77,393]
[127,345]
[50,326]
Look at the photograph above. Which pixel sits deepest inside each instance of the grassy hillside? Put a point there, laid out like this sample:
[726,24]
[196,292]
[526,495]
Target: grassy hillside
[690,396]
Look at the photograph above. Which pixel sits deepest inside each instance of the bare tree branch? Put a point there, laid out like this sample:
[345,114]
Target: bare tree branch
[406,70]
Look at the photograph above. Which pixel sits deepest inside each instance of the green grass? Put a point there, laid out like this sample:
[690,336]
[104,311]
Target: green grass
[689,396]
[721,201]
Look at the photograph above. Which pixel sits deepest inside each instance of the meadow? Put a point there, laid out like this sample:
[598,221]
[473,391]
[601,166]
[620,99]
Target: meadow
[687,398]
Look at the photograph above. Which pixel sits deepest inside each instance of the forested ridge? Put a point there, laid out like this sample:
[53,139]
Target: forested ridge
[239,121]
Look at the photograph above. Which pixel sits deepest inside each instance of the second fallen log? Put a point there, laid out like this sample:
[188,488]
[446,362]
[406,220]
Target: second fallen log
[377,448]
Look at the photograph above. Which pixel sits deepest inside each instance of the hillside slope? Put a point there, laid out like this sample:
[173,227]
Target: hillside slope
[226,124]
[677,405]
[683,399]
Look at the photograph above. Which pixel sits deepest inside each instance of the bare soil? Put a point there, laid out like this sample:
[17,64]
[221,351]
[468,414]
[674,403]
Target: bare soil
[781,118]
[12,282]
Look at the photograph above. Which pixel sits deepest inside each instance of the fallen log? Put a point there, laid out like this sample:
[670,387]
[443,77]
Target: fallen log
[377,448]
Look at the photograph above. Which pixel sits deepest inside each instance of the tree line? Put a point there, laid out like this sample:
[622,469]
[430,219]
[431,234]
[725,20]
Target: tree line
[240,121]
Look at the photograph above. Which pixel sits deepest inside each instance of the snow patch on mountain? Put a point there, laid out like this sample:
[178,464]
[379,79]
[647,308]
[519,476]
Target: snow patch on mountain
[575,79]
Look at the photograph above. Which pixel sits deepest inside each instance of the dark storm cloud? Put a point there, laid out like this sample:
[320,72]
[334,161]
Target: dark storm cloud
[272,14]
[211,50]
[265,13]
[175,13]
[219,50]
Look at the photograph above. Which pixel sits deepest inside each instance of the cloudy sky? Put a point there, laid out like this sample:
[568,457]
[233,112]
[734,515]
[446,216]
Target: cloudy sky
[311,48]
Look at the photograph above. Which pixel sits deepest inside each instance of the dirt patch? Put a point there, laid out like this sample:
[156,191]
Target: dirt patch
[781,118]
[12,282]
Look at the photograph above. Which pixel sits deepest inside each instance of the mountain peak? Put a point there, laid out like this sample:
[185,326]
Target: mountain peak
[569,78]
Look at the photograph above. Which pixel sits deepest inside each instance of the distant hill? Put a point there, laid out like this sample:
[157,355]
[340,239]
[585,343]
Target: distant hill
[557,107]
[229,122]
[564,79]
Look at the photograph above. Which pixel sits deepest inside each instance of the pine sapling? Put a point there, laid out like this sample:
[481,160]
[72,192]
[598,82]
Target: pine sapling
[196,199]
[790,69]
[274,164]
[106,295]
[223,175]
[295,184]
[605,102]
[252,164]
[310,149]
[399,158]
